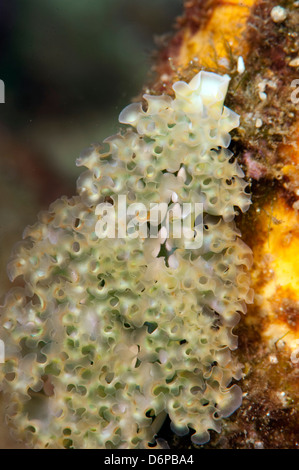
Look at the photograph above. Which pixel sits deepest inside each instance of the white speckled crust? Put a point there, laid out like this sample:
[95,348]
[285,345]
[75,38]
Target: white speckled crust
[109,335]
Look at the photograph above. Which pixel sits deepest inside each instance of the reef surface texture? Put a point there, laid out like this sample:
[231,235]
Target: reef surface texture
[257,44]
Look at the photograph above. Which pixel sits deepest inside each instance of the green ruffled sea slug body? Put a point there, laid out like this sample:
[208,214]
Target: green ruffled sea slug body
[109,334]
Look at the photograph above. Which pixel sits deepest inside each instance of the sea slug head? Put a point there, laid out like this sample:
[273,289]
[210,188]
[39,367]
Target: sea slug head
[206,89]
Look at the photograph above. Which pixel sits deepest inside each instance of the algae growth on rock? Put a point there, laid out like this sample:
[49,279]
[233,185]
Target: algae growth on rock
[109,335]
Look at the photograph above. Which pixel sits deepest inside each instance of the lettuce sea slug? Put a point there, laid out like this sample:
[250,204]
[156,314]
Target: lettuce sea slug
[110,334]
